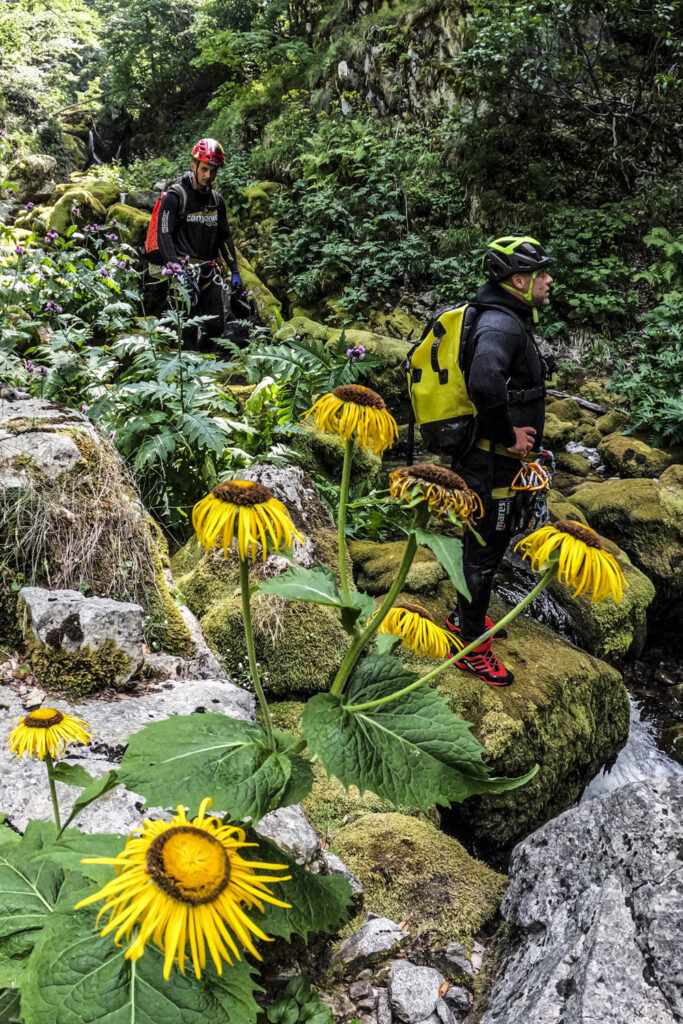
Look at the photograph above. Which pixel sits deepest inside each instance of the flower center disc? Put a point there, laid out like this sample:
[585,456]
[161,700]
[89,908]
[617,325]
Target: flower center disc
[242,492]
[360,395]
[189,864]
[416,609]
[579,531]
[43,718]
[437,475]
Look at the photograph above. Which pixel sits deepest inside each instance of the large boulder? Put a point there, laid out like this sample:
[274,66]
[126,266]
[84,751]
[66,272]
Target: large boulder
[596,897]
[375,566]
[70,519]
[106,192]
[629,457]
[566,711]
[80,645]
[645,518]
[323,455]
[412,872]
[557,433]
[299,646]
[133,221]
[33,175]
[90,211]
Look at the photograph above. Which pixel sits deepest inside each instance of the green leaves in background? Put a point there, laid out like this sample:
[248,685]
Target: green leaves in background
[184,759]
[76,976]
[299,1003]
[318,902]
[448,551]
[318,586]
[413,750]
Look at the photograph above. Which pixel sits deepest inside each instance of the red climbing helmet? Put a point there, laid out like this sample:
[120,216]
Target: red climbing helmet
[209,151]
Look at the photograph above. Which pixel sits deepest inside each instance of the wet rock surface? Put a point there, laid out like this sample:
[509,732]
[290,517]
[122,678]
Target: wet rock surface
[597,897]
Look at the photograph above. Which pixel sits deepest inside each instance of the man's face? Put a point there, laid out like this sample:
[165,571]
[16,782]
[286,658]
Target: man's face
[205,173]
[540,292]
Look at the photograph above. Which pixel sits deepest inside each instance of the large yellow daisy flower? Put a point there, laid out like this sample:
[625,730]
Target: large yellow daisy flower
[418,629]
[47,731]
[185,881]
[249,508]
[583,562]
[354,411]
[443,490]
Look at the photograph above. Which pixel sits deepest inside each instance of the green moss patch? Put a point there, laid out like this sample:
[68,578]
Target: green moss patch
[376,566]
[412,872]
[323,455]
[77,673]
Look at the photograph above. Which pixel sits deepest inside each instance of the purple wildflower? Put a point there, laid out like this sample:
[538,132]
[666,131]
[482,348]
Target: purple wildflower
[172,270]
[356,354]
[104,272]
[30,206]
[20,250]
[75,211]
[121,265]
[112,237]
[43,371]
[297,337]
[31,367]
[52,307]
[84,408]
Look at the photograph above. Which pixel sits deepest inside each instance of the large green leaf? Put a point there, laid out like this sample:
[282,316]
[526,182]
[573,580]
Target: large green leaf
[319,903]
[318,586]
[9,1006]
[28,891]
[73,845]
[76,975]
[448,551]
[412,750]
[184,759]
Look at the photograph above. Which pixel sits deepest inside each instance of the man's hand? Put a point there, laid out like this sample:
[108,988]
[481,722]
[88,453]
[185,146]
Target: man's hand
[236,280]
[524,440]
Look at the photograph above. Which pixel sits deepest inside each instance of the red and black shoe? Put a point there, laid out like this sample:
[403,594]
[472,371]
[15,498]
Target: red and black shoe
[482,663]
[453,624]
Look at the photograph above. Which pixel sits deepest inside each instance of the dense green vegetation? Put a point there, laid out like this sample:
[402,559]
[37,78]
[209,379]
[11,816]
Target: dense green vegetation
[401,137]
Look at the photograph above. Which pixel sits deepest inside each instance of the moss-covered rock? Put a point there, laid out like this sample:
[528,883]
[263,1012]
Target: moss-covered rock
[592,438]
[397,324]
[323,454]
[630,457]
[611,422]
[645,518]
[375,567]
[259,197]
[75,149]
[106,192]
[77,673]
[133,221]
[389,377]
[267,305]
[90,211]
[577,465]
[561,507]
[566,711]
[412,872]
[299,646]
[565,409]
[557,433]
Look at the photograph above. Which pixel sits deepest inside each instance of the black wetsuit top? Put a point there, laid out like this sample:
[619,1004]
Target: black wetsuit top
[203,233]
[506,358]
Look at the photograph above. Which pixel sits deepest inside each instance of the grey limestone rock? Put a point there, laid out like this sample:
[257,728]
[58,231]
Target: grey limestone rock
[336,866]
[23,788]
[382,1006]
[458,998]
[414,992]
[597,894]
[369,944]
[66,619]
[456,954]
[52,453]
[288,827]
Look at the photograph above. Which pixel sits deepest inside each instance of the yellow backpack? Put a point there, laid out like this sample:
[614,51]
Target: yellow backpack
[436,368]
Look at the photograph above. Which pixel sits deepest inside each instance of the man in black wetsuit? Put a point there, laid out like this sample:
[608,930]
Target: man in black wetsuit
[193,232]
[506,384]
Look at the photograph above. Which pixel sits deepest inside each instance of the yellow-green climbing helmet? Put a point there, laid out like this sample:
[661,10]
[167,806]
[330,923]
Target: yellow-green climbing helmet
[513,254]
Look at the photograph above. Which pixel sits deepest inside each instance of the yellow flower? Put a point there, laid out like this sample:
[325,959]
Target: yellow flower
[354,410]
[252,509]
[417,628]
[444,490]
[583,562]
[185,881]
[47,731]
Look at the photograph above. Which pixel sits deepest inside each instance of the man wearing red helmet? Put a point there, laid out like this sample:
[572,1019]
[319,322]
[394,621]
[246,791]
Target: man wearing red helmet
[193,229]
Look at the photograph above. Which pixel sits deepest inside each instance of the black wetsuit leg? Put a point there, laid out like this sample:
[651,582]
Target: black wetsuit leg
[209,303]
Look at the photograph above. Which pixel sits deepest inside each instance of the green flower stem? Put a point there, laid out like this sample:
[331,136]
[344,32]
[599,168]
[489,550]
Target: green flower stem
[541,585]
[341,525]
[53,792]
[359,642]
[249,634]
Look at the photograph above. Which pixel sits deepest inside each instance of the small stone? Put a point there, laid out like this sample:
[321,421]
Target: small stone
[457,955]
[383,1008]
[444,1013]
[413,991]
[287,826]
[458,998]
[336,866]
[34,698]
[477,956]
[344,1008]
[372,940]
[362,994]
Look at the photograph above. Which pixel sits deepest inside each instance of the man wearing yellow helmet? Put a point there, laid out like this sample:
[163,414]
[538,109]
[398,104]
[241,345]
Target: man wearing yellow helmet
[505,375]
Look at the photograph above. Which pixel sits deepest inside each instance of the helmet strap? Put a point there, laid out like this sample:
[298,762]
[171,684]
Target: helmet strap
[526,296]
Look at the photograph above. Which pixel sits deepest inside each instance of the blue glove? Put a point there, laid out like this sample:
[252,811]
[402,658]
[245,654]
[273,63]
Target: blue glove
[236,280]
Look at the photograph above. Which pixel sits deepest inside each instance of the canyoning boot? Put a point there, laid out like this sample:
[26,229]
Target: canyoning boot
[482,663]
[453,623]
